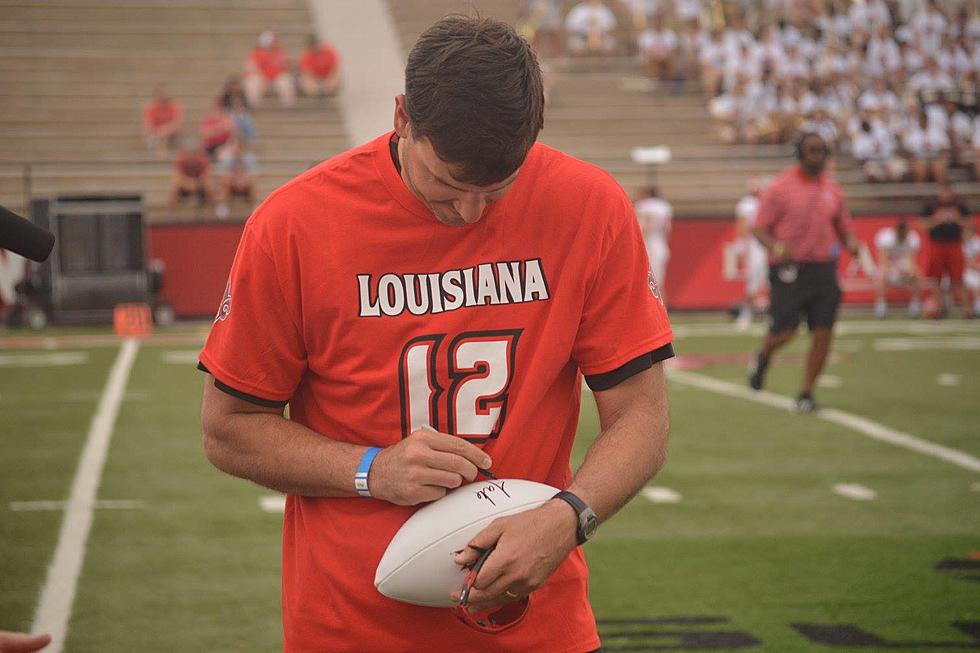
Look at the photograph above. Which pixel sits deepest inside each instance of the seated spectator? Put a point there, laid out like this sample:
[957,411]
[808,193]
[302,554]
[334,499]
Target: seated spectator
[930,81]
[820,123]
[237,168]
[712,59]
[691,40]
[945,116]
[217,128]
[319,70]
[732,111]
[540,24]
[686,11]
[874,147]
[658,49]
[793,67]
[590,26]
[162,121]
[971,273]
[233,91]
[975,141]
[879,100]
[927,149]
[191,175]
[265,68]
[242,117]
[898,248]
[929,25]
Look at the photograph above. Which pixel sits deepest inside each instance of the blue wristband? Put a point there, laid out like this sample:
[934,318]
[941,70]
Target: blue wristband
[361,475]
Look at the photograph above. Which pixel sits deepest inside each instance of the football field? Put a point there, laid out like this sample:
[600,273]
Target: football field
[855,529]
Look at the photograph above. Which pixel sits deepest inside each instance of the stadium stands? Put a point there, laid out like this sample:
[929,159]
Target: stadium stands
[74,75]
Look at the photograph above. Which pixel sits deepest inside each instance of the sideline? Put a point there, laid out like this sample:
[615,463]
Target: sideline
[54,608]
[862,425]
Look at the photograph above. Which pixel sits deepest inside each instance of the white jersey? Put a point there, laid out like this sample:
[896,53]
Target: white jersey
[655,216]
[746,210]
[900,254]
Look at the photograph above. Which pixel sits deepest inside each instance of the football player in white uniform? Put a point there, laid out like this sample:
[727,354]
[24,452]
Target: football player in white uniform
[897,249]
[751,253]
[655,215]
[971,275]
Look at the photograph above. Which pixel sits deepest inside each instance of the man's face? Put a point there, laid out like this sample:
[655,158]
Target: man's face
[813,155]
[431,179]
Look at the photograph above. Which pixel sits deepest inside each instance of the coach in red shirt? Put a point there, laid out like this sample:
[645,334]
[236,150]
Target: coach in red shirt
[802,221]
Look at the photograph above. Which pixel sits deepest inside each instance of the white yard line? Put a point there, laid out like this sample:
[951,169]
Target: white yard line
[54,359]
[855,491]
[920,344]
[857,327]
[180,356]
[948,379]
[107,504]
[862,425]
[661,495]
[829,381]
[58,594]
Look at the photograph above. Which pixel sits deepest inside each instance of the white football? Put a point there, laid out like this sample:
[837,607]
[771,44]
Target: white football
[418,565]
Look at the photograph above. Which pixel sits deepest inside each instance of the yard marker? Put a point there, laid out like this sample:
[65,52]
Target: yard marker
[661,495]
[855,491]
[58,594]
[862,425]
[273,503]
[829,381]
[948,379]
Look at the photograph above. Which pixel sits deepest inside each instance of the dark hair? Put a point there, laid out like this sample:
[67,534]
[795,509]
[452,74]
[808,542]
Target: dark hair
[473,88]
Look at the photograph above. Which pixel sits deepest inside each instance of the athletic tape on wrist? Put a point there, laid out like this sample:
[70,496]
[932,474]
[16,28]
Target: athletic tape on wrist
[363,468]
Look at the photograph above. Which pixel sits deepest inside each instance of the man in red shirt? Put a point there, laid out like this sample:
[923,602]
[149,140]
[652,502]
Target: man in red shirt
[162,121]
[946,219]
[802,219]
[451,274]
[266,67]
[319,72]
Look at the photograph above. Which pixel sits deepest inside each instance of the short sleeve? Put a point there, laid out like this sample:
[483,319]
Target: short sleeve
[623,316]
[255,346]
[768,210]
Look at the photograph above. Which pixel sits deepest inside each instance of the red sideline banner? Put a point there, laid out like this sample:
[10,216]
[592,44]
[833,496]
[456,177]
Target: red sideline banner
[695,272]
[199,256]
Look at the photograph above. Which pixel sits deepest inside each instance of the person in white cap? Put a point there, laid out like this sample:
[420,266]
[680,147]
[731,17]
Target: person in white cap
[266,67]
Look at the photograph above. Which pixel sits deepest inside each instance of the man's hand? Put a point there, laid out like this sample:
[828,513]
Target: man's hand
[423,467]
[530,546]
[22,643]
[781,251]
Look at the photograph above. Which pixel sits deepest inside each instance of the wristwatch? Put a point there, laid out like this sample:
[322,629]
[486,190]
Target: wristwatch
[587,521]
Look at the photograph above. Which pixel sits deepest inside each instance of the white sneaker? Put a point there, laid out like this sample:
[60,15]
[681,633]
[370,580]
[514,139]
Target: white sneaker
[915,308]
[881,310]
[221,211]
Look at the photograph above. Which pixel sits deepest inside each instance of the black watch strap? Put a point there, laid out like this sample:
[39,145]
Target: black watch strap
[587,520]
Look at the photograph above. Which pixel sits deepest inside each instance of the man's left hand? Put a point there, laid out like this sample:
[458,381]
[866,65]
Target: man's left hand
[530,546]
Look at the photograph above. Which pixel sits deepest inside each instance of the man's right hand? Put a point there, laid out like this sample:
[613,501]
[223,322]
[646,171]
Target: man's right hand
[781,251]
[423,467]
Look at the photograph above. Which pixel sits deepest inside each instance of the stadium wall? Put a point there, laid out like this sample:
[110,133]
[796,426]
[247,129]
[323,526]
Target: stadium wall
[198,257]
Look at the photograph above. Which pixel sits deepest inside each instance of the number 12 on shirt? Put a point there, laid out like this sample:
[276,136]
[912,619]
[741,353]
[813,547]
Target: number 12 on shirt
[468,395]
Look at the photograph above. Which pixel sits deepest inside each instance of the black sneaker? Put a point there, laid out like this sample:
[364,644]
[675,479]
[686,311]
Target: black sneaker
[806,404]
[757,372]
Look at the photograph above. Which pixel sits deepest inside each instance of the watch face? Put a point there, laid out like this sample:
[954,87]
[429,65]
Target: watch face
[590,526]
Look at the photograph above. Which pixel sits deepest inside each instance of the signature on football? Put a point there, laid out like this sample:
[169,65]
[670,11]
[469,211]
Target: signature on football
[491,488]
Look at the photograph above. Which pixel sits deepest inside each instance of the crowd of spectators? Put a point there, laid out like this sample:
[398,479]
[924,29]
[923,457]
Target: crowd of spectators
[218,163]
[893,82]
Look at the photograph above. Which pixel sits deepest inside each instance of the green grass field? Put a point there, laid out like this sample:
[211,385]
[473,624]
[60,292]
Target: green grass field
[757,552]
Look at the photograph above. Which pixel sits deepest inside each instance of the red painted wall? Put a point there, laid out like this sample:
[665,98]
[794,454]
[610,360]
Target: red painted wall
[198,258]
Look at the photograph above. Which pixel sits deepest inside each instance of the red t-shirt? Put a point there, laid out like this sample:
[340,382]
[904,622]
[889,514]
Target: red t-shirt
[158,114]
[319,62]
[271,62]
[216,129]
[352,302]
[806,214]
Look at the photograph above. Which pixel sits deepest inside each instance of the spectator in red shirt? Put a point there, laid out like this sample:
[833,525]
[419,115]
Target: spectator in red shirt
[319,70]
[802,219]
[267,67]
[217,128]
[947,219]
[162,120]
[191,175]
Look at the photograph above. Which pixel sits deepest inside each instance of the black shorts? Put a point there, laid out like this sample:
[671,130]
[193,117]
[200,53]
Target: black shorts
[809,289]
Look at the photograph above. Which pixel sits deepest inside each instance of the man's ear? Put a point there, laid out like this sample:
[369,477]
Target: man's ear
[401,117]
